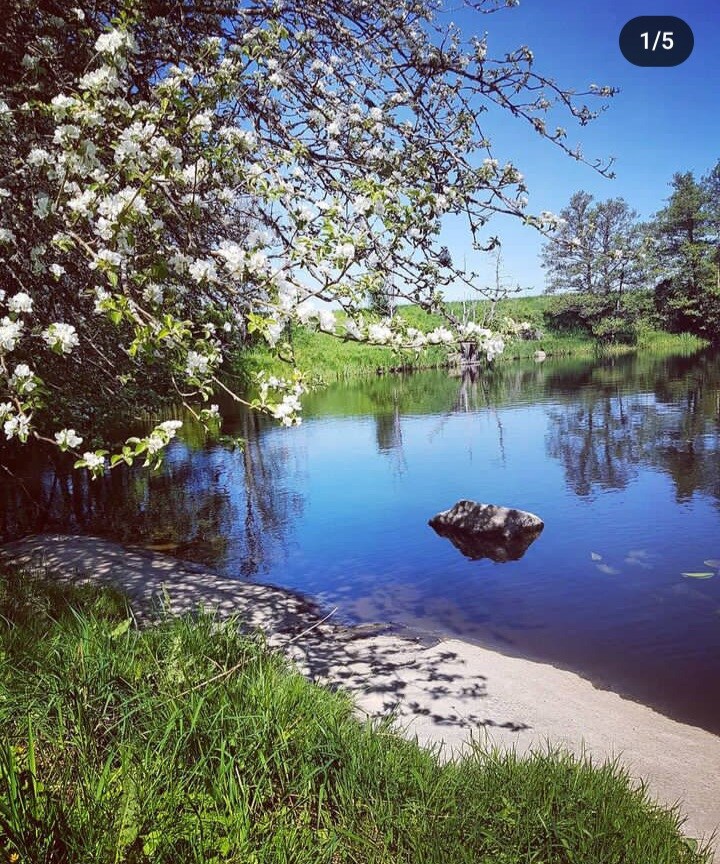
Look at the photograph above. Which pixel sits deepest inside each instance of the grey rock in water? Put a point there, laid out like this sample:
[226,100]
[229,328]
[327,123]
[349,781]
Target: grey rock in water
[487,530]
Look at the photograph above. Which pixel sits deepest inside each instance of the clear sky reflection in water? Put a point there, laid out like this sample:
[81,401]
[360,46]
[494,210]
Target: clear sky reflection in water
[621,458]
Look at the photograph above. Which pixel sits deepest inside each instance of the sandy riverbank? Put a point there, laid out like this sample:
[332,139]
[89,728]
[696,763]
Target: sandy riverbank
[443,694]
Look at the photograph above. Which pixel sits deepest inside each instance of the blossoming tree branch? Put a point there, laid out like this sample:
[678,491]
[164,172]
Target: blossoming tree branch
[176,175]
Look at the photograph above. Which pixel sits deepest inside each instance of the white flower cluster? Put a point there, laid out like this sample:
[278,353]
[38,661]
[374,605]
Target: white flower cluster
[61,337]
[203,270]
[23,379]
[199,365]
[122,168]
[326,320]
[67,439]
[94,461]
[114,42]
[440,336]
[161,436]
[379,334]
[288,409]
[18,426]
[9,333]
[104,80]
[493,347]
[106,259]
[472,330]
[20,302]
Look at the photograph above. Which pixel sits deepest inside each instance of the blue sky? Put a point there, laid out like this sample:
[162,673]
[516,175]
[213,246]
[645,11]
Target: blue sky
[663,120]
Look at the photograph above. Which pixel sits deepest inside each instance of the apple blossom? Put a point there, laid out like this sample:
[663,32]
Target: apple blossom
[61,337]
[20,302]
[67,439]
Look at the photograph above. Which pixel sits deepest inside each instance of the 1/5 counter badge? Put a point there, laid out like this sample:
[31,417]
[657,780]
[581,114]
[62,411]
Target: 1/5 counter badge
[656,40]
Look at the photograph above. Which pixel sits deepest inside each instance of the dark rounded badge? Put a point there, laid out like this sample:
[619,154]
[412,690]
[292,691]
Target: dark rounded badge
[656,40]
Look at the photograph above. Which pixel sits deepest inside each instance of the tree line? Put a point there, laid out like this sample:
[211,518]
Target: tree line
[615,270]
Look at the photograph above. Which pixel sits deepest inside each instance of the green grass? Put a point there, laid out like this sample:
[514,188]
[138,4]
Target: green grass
[329,358]
[186,742]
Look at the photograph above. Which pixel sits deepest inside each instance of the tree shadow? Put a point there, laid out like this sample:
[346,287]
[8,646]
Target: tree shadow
[384,672]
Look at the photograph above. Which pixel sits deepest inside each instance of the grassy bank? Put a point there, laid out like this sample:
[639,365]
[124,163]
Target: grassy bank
[185,742]
[332,359]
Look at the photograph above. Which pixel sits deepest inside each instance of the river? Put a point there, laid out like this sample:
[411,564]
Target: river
[620,457]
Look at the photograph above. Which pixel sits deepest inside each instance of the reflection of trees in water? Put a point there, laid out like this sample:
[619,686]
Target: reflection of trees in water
[205,504]
[268,507]
[595,442]
[388,428]
[673,424]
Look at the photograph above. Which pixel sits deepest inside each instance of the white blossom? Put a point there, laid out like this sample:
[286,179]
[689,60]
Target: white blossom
[20,302]
[101,295]
[17,426]
[23,379]
[257,262]
[305,313]
[345,251]
[287,410]
[196,364]
[61,337]
[83,202]
[234,258]
[105,258]
[42,206]
[352,329]
[439,336]
[327,320]
[379,333]
[170,426]
[9,333]
[38,156]
[67,439]
[153,293]
[93,461]
[362,204]
[203,269]
[104,79]
[201,122]
[274,331]
[115,41]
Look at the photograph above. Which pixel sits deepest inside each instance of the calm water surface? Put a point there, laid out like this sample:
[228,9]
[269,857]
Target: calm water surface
[621,458]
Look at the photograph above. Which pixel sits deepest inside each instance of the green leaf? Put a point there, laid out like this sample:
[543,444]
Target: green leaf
[699,575]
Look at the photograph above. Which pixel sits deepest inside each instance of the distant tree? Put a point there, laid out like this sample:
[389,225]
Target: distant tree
[683,231]
[686,238]
[597,252]
[711,189]
[596,249]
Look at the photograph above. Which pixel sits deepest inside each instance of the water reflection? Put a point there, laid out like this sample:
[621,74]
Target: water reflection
[207,504]
[672,423]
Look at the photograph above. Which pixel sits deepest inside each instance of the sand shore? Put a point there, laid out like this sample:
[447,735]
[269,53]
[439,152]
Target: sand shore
[444,693]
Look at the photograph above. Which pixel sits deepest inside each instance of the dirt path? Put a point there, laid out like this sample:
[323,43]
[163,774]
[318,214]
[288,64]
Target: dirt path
[443,694]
